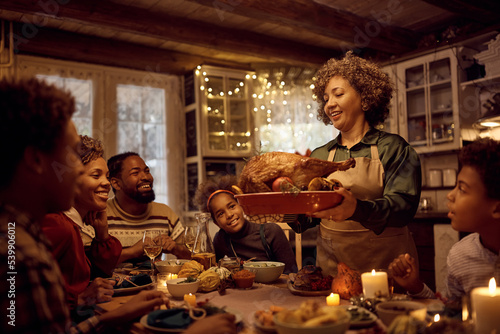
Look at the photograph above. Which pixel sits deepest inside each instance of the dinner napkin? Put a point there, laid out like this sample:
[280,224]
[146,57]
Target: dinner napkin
[141,279]
[171,318]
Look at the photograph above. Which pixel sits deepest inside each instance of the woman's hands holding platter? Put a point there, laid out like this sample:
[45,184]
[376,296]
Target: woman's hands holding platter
[342,211]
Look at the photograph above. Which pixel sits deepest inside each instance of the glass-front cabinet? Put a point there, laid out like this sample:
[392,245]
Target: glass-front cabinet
[428,102]
[218,125]
[225,112]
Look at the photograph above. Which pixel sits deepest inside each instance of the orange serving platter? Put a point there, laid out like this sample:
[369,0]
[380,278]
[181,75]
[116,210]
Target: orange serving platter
[305,202]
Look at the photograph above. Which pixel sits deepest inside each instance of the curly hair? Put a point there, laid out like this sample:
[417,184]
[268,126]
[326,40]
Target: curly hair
[484,156]
[205,189]
[32,113]
[373,85]
[91,149]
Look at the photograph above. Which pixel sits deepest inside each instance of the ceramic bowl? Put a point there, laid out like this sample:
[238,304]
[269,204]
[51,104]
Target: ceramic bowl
[178,290]
[265,271]
[244,279]
[338,327]
[387,311]
[170,266]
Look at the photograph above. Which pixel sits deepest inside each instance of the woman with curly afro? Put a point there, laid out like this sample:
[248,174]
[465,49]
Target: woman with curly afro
[381,194]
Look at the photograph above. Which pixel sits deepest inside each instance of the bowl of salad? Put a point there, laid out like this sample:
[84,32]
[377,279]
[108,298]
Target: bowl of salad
[265,271]
[178,287]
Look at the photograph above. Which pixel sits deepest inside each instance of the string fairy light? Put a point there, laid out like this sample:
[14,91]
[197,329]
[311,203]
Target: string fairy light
[216,88]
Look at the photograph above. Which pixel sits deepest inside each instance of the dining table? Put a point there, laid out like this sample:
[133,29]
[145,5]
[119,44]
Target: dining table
[243,303]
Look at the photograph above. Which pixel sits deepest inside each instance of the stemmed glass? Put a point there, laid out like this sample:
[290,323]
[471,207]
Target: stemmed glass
[152,246]
[190,236]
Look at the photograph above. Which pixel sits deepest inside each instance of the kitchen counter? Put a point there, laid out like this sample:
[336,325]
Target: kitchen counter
[433,215]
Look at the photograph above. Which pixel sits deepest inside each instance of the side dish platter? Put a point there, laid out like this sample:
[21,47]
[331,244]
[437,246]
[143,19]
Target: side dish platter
[299,292]
[305,202]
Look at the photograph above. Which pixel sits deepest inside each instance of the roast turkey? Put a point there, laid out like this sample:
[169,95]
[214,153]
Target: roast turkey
[260,171]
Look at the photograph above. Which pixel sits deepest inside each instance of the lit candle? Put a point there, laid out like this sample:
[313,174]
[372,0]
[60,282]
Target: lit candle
[190,299]
[333,299]
[171,276]
[375,284]
[436,318]
[486,308]
[161,282]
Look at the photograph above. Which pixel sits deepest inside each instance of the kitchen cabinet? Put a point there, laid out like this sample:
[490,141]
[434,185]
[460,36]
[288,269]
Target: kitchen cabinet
[219,124]
[428,101]
[391,123]
[222,106]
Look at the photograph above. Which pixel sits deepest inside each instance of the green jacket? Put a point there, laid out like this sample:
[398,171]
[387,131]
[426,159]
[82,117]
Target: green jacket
[402,181]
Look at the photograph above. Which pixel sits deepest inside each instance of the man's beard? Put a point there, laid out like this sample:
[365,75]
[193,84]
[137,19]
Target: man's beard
[146,197]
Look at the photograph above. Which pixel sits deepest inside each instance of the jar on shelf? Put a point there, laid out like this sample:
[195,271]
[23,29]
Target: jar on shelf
[437,131]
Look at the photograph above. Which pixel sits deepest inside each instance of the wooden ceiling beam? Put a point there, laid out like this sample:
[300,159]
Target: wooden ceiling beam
[168,28]
[481,11]
[373,32]
[76,47]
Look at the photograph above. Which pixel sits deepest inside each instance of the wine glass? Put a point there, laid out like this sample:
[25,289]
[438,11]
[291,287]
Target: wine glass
[152,246]
[190,232]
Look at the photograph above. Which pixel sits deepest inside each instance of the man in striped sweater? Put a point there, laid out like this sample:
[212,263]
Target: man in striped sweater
[132,210]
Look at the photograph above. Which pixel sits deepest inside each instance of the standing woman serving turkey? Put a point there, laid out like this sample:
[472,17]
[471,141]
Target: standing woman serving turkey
[381,194]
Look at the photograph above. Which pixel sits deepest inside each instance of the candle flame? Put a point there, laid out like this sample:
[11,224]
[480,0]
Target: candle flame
[331,294]
[373,272]
[436,318]
[492,286]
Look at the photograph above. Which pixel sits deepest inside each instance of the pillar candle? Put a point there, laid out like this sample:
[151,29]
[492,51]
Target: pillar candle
[190,299]
[485,303]
[375,284]
[333,299]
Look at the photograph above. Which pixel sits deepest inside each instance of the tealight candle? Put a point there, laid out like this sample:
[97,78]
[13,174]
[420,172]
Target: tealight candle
[333,299]
[375,284]
[171,276]
[485,303]
[161,282]
[190,299]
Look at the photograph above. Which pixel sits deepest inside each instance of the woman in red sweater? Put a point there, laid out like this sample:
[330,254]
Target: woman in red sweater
[78,265]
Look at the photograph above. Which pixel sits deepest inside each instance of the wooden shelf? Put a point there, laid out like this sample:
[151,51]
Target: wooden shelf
[486,81]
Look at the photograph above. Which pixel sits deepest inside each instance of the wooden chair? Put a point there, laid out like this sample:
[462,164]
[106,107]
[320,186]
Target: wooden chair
[298,243]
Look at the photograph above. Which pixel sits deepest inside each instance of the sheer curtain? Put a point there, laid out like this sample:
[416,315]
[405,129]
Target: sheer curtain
[285,112]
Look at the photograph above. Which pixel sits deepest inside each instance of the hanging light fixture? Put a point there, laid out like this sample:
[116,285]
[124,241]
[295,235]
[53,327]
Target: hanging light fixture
[492,116]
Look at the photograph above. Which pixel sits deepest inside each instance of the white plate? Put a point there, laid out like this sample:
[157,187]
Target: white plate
[144,321]
[132,289]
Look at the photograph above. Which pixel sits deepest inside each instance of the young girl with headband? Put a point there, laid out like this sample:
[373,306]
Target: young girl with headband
[237,236]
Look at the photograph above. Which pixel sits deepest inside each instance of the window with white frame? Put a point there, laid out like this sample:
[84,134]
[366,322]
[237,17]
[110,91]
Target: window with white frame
[82,92]
[126,110]
[141,128]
